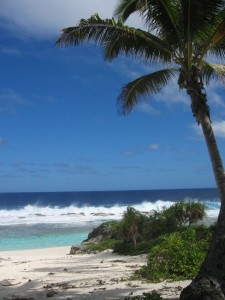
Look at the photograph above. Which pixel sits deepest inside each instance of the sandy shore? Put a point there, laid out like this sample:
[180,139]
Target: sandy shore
[44,273]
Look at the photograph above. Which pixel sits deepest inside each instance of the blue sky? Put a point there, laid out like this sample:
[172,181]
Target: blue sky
[59,125]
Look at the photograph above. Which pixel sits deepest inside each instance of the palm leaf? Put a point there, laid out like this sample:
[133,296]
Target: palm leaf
[197,25]
[139,44]
[125,8]
[144,86]
[215,71]
[160,16]
[116,38]
[217,41]
[86,30]
[202,13]
[219,32]
[211,39]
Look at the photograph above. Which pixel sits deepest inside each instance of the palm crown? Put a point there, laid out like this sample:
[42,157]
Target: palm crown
[180,34]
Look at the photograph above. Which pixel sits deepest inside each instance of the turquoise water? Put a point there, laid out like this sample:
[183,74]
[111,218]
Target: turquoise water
[36,237]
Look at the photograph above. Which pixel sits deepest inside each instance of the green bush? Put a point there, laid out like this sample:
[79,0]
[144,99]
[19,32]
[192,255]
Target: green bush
[137,232]
[132,225]
[102,246]
[125,248]
[177,255]
[188,213]
[173,218]
[159,223]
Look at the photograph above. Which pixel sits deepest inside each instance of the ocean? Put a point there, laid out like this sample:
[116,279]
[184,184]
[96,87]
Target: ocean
[41,220]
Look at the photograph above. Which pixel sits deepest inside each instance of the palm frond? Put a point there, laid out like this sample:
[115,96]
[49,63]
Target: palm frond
[139,44]
[86,30]
[202,13]
[211,39]
[159,16]
[125,8]
[197,25]
[217,40]
[219,50]
[144,86]
[116,38]
[219,27]
[212,71]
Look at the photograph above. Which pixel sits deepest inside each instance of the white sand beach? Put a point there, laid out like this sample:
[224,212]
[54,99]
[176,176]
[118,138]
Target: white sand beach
[52,272]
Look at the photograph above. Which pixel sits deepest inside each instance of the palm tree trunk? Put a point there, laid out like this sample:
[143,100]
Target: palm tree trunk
[133,233]
[209,284]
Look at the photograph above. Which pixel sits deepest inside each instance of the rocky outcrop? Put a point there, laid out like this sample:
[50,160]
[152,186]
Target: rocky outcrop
[107,230]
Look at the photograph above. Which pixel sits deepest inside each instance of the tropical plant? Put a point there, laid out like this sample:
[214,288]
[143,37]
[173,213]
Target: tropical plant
[180,35]
[160,222]
[177,255]
[101,246]
[132,225]
[170,219]
[188,213]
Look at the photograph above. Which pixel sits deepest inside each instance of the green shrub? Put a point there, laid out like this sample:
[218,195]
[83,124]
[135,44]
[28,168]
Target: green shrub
[102,246]
[113,224]
[173,218]
[159,223]
[177,255]
[125,248]
[188,213]
[136,232]
[132,225]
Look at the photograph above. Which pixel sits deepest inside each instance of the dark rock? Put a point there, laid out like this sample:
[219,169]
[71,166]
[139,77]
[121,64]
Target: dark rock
[75,249]
[51,293]
[103,232]
[203,288]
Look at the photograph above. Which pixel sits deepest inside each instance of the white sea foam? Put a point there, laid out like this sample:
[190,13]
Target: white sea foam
[212,209]
[81,216]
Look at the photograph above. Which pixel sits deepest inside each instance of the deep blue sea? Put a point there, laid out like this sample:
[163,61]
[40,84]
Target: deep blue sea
[41,220]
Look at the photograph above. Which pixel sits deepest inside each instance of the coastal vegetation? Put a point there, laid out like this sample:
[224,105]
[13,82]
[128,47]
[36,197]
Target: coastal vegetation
[181,36]
[177,255]
[174,239]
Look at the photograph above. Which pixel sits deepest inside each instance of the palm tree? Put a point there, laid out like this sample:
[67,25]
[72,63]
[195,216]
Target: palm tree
[132,225]
[180,35]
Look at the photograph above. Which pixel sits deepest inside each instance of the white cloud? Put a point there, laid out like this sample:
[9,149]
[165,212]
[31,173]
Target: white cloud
[218,128]
[129,152]
[11,51]
[214,92]
[172,95]
[216,99]
[197,129]
[45,18]
[147,108]
[9,100]
[154,147]
[130,69]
